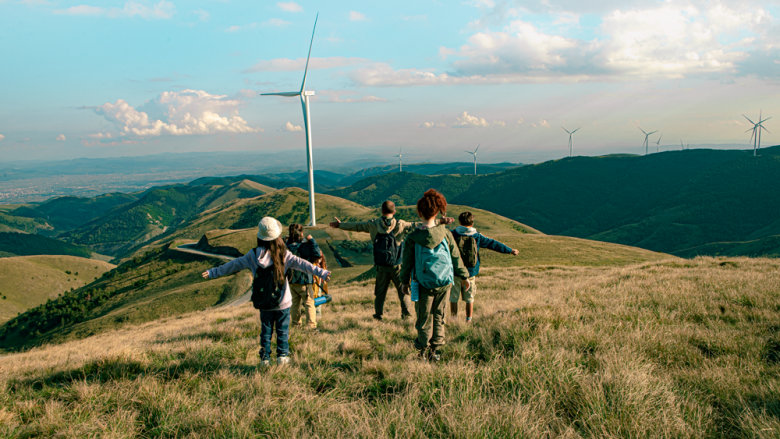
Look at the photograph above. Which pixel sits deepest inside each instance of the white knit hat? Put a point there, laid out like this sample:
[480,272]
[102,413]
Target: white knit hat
[269,229]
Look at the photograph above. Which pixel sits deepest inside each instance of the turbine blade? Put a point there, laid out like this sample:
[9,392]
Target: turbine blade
[565,130]
[640,129]
[762,127]
[762,121]
[303,84]
[748,119]
[751,129]
[652,132]
[475,151]
[576,130]
[288,94]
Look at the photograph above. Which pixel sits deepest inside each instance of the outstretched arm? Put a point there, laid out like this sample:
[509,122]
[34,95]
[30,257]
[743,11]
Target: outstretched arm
[364,226]
[294,262]
[496,246]
[237,264]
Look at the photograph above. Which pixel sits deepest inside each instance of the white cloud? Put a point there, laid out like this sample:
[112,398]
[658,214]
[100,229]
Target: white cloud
[357,16]
[499,123]
[541,124]
[294,65]
[288,127]
[433,125]
[277,22]
[180,113]
[34,2]
[465,120]
[61,138]
[161,10]
[520,121]
[202,15]
[2,137]
[290,6]
[335,96]
[101,135]
[236,28]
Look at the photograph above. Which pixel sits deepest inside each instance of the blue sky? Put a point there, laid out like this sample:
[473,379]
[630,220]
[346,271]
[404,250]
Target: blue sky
[118,78]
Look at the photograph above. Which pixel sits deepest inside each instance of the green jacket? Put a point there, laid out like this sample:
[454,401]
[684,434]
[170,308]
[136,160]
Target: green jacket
[375,226]
[430,238]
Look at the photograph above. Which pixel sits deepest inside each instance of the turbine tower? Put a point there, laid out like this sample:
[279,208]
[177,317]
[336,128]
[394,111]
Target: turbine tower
[400,165]
[474,153]
[304,95]
[681,145]
[755,137]
[646,144]
[571,144]
[658,144]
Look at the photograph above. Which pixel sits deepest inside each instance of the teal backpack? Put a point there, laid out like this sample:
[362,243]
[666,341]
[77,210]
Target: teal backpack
[433,266]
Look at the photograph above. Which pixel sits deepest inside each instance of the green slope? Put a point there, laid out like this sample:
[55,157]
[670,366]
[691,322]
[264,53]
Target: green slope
[403,187]
[427,169]
[66,213]
[23,244]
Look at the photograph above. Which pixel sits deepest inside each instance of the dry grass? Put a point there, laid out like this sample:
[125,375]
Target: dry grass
[662,349]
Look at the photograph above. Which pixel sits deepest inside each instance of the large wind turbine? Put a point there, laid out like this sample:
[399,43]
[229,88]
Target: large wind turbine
[755,137]
[304,95]
[571,144]
[474,153]
[646,144]
[658,144]
[400,165]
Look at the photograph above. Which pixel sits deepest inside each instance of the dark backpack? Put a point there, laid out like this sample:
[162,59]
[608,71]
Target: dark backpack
[266,293]
[386,250]
[469,251]
[304,250]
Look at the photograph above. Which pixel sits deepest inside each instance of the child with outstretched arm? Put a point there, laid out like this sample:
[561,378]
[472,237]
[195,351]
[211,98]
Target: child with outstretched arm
[271,291]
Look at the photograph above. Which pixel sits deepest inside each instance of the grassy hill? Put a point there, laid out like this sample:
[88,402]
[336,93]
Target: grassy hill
[28,281]
[23,244]
[664,202]
[683,349]
[65,213]
[427,169]
[9,222]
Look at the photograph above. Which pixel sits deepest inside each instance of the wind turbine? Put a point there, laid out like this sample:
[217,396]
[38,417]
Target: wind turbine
[571,144]
[757,127]
[474,153]
[658,144]
[304,95]
[646,144]
[400,165]
[681,145]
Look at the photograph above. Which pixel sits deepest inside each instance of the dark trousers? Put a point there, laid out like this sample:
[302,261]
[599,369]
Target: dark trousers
[385,276]
[268,320]
[430,314]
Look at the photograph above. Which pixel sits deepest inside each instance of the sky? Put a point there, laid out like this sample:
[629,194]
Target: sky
[109,78]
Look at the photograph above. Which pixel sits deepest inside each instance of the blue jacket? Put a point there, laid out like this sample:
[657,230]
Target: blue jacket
[303,248]
[482,242]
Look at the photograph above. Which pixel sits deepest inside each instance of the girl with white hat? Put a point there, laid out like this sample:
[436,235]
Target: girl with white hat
[270,260]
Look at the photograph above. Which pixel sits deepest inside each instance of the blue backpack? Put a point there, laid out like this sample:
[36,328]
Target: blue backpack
[433,266]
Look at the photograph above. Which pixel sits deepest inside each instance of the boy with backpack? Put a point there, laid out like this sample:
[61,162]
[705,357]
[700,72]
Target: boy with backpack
[387,235]
[302,284]
[270,288]
[431,263]
[469,242]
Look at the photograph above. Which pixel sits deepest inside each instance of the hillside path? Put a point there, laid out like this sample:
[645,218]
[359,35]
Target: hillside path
[244,298]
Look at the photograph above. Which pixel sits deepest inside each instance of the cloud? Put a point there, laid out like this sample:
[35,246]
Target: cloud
[290,6]
[357,16]
[236,28]
[2,137]
[34,2]
[541,124]
[433,125]
[277,22]
[288,127]
[101,135]
[294,65]
[520,121]
[162,10]
[202,15]
[465,120]
[177,113]
[61,138]
[499,123]
[121,142]
[335,96]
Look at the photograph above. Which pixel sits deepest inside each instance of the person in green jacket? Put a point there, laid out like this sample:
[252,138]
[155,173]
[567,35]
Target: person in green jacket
[382,229]
[423,248]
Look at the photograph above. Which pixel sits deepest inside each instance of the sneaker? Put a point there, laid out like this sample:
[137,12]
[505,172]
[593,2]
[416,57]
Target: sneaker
[377,317]
[468,319]
[422,354]
[265,362]
[434,356]
[283,360]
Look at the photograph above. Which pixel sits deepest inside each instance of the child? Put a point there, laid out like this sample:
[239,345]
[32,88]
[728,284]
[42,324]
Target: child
[271,252]
[301,284]
[469,242]
[433,258]
[320,286]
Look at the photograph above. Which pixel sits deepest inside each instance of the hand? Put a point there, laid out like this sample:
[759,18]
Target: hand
[515,252]
[335,224]
[326,278]
[466,284]
[309,238]
[446,220]
[205,275]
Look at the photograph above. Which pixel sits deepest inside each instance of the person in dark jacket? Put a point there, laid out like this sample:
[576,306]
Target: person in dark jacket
[459,291]
[301,283]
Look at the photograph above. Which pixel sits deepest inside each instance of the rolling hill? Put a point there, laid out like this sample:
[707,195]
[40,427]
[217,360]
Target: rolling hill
[28,281]
[24,244]
[663,202]
[66,213]
[428,169]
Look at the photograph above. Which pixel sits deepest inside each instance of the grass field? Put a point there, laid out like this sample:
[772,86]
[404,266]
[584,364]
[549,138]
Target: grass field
[28,281]
[673,348]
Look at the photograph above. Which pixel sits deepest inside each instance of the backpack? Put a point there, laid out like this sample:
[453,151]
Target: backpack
[433,266]
[386,250]
[469,251]
[303,250]
[266,293]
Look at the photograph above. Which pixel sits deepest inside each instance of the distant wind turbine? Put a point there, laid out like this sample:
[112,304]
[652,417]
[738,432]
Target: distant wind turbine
[571,143]
[474,153]
[400,165]
[681,145]
[755,137]
[647,143]
[304,95]
[658,144]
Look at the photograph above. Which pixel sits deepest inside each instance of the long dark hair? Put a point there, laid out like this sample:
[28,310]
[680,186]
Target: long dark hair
[277,250]
[296,234]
